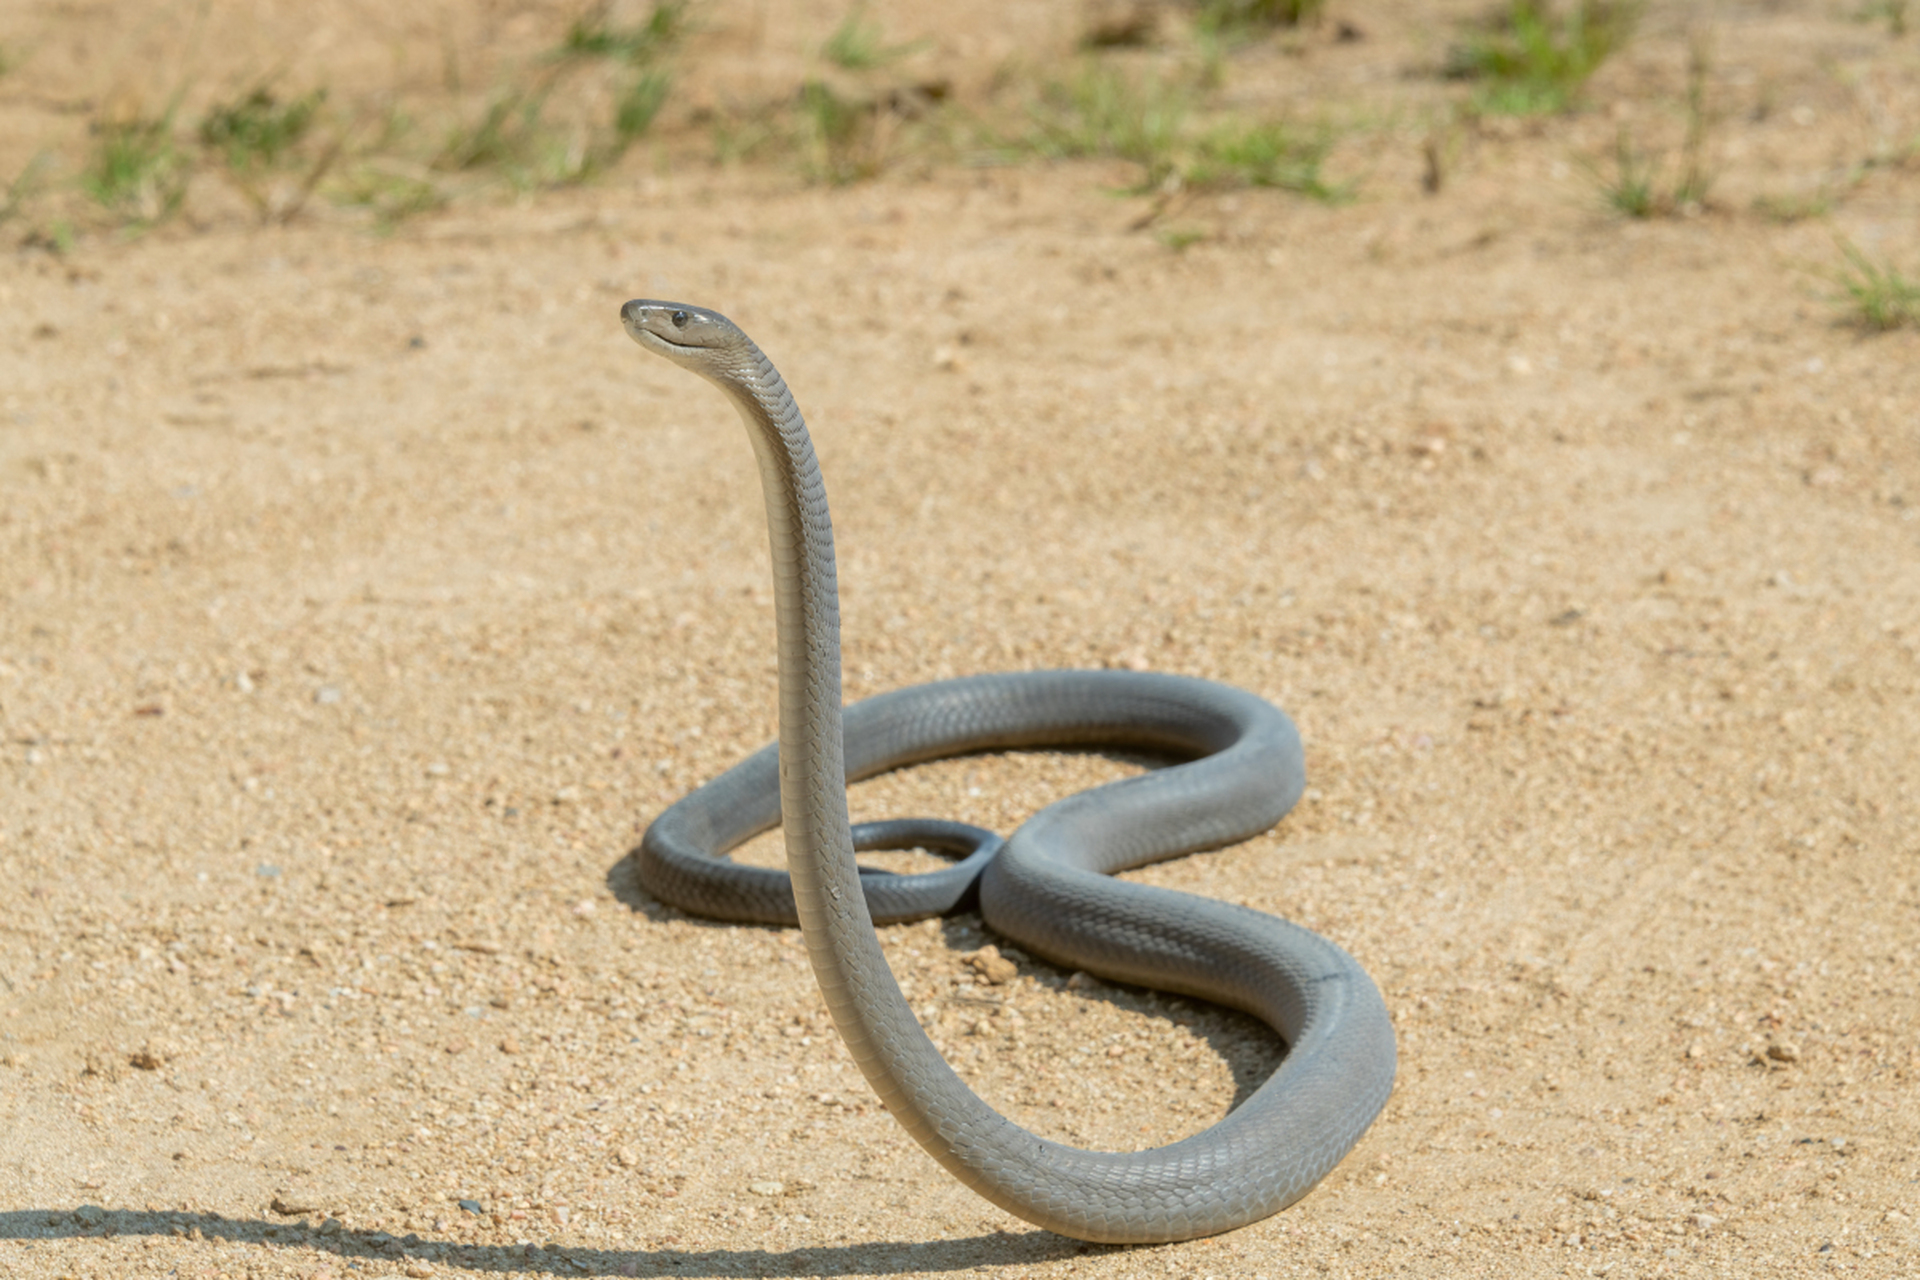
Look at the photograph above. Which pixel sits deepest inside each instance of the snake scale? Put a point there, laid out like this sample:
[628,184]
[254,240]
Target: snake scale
[1049,888]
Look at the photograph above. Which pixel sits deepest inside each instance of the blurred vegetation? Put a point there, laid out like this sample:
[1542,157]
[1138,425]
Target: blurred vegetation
[1103,112]
[1249,19]
[1156,92]
[1635,188]
[853,117]
[593,34]
[392,192]
[261,141]
[573,111]
[1527,61]
[1162,125]
[1891,12]
[1874,294]
[859,45]
[257,131]
[1266,154]
[514,132]
[137,170]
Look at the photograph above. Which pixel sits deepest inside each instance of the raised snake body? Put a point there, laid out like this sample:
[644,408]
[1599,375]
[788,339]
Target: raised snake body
[1049,888]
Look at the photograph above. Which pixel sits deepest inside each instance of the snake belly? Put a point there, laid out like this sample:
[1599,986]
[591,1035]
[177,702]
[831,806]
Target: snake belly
[1049,888]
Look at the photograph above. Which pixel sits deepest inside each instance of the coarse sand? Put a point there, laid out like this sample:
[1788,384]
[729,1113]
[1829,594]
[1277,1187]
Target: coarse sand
[363,595]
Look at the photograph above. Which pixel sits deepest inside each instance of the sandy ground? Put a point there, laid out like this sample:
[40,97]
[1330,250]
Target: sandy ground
[363,597]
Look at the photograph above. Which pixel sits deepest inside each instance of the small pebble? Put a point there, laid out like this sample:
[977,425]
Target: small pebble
[1784,1051]
[627,1157]
[991,965]
[766,1188]
[326,695]
[471,1206]
[509,1045]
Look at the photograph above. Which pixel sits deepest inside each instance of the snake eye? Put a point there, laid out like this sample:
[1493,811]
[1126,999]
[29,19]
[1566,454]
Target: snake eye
[679,319]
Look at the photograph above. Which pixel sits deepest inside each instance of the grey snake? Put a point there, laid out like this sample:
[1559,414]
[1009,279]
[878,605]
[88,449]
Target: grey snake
[1049,888]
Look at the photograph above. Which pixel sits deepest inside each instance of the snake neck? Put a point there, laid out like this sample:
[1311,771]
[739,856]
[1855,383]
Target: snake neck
[813,804]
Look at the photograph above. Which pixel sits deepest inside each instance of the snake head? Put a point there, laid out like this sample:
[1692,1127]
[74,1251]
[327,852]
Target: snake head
[687,335]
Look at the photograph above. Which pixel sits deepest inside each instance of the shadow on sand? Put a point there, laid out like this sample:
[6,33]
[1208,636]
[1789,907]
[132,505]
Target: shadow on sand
[378,1253]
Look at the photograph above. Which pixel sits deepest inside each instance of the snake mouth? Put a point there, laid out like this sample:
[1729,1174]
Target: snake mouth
[648,338]
[673,329]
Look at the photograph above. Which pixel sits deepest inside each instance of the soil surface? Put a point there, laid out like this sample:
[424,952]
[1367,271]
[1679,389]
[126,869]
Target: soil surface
[364,594]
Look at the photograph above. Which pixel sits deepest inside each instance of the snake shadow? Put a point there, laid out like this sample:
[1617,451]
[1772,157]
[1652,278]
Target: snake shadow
[377,1250]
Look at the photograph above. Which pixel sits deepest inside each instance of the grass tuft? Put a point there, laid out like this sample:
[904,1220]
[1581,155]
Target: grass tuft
[257,131]
[512,136]
[839,140]
[1245,19]
[392,192]
[137,171]
[594,35]
[1635,189]
[257,137]
[641,89]
[503,135]
[637,106]
[1529,63]
[1266,154]
[1101,113]
[859,45]
[1632,190]
[1875,296]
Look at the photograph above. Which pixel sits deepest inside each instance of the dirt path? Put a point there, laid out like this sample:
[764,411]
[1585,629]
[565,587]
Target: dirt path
[362,597]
